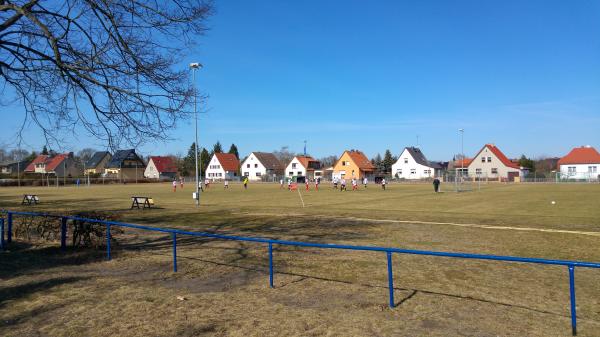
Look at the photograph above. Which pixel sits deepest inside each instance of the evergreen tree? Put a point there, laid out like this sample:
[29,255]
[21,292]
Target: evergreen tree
[234,150]
[217,148]
[528,163]
[378,162]
[188,166]
[388,161]
[45,150]
[204,160]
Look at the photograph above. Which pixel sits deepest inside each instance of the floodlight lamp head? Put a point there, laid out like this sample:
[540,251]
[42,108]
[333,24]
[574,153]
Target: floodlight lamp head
[195,65]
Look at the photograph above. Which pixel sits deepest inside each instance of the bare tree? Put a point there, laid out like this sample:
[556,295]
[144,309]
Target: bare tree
[107,66]
[85,154]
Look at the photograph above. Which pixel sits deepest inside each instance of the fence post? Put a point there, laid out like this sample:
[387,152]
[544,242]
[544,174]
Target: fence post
[572,292]
[63,233]
[2,234]
[270,265]
[9,217]
[174,236]
[108,242]
[390,279]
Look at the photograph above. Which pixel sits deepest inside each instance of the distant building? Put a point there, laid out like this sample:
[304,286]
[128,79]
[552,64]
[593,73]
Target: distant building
[460,165]
[581,163]
[223,166]
[491,163]
[97,163]
[412,164]
[304,166]
[12,167]
[60,165]
[125,164]
[261,164]
[353,164]
[161,168]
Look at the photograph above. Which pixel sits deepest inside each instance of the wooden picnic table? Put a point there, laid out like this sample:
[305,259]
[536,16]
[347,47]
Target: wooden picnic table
[30,199]
[145,202]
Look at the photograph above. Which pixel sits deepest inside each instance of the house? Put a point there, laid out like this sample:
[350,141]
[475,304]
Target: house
[261,164]
[412,164]
[223,166]
[460,165]
[581,163]
[60,165]
[161,168]
[304,166]
[97,163]
[491,163]
[353,164]
[125,164]
[12,167]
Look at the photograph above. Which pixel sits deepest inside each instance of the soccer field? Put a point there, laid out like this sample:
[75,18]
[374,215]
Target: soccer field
[317,292]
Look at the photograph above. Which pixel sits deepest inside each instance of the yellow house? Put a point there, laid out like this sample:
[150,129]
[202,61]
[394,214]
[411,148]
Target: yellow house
[353,164]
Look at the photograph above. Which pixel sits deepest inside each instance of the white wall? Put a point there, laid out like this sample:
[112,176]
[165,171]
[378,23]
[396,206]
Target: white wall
[486,168]
[151,172]
[582,171]
[411,166]
[295,168]
[252,168]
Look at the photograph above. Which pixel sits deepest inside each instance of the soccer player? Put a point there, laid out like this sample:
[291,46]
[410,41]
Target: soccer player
[174,185]
[383,183]
[343,185]
[365,181]
[246,183]
[317,182]
[354,184]
[306,182]
[226,184]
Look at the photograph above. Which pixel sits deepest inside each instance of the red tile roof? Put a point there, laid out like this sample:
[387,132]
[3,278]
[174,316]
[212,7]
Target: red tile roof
[164,164]
[581,155]
[52,163]
[464,162]
[39,159]
[229,162]
[361,160]
[496,151]
[305,160]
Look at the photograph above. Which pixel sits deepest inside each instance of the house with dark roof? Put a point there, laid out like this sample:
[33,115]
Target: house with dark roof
[12,167]
[125,164]
[97,163]
[261,165]
[582,163]
[161,168]
[353,164]
[304,166]
[412,164]
[491,163]
[60,165]
[223,166]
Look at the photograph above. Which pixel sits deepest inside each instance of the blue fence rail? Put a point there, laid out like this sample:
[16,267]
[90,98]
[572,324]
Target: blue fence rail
[270,242]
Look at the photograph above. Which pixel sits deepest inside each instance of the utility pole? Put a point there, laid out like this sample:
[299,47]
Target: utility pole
[195,66]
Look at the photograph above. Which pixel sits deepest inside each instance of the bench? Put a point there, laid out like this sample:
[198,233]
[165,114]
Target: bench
[145,202]
[30,199]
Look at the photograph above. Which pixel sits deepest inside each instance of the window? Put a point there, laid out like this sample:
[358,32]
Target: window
[399,172]
[405,160]
[246,174]
[293,165]
[291,173]
[572,169]
[258,174]
[483,159]
[478,171]
[413,171]
[299,173]
[494,170]
[427,171]
[345,163]
[489,159]
[592,169]
[255,165]
[248,165]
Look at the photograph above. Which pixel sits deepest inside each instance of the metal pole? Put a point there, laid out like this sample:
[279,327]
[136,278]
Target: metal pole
[2,233]
[573,308]
[108,257]
[9,219]
[196,146]
[271,265]
[174,236]
[390,279]
[63,233]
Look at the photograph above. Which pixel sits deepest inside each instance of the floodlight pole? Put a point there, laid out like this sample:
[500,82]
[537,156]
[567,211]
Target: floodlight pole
[195,66]
[462,151]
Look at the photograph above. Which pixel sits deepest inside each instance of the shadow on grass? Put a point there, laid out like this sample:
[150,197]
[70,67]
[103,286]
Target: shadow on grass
[22,290]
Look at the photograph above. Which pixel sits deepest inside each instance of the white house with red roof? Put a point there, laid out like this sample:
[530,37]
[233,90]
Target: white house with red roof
[160,168]
[581,163]
[491,163]
[304,166]
[223,166]
[60,165]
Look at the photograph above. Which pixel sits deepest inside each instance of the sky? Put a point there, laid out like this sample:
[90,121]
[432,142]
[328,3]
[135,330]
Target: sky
[377,75]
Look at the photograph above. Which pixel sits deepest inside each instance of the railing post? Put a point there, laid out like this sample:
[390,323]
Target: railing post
[174,236]
[2,234]
[63,233]
[108,242]
[573,308]
[390,279]
[9,218]
[271,265]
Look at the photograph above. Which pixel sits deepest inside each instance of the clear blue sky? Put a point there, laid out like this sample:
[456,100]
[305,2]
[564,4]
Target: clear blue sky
[524,75]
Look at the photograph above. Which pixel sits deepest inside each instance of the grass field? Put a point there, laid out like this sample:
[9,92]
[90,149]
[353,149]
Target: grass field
[44,292]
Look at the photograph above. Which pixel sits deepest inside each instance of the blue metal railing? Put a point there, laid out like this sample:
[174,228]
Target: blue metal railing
[270,242]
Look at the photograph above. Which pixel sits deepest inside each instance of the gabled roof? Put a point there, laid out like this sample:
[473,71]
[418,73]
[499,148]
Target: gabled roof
[496,151]
[360,160]
[465,162]
[581,155]
[95,160]
[38,160]
[269,161]
[52,163]
[306,160]
[229,162]
[122,155]
[164,164]
[419,157]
